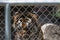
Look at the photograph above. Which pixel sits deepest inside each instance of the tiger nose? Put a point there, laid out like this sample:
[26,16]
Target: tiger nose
[24,25]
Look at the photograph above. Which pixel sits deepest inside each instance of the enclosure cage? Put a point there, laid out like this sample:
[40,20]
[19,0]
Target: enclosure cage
[45,11]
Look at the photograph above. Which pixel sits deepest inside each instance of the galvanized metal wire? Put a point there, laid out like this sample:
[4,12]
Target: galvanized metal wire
[45,15]
[2,23]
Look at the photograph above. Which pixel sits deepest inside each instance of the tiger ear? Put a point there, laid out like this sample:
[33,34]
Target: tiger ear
[33,15]
[16,16]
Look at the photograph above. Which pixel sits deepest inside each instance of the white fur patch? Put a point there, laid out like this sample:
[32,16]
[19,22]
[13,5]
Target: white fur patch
[45,25]
[27,24]
[29,20]
[20,23]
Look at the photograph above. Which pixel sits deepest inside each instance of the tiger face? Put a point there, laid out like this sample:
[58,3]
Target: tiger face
[21,22]
[24,22]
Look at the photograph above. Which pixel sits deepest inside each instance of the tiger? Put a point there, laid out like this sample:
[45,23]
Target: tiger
[22,23]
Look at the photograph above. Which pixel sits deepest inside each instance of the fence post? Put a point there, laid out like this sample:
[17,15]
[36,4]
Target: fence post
[7,22]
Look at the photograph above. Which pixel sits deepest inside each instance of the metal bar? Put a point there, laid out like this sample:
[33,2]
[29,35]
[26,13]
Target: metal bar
[7,23]
[26,2]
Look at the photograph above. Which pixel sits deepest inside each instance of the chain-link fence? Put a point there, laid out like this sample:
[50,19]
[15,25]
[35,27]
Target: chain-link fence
[2,23]
[26,21]
[36,15]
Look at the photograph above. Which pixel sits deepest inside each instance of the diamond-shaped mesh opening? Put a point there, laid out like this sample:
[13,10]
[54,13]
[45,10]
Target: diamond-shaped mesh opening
[2,23]
[27,20]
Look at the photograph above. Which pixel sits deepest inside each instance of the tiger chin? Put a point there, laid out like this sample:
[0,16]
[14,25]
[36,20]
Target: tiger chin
[21,25]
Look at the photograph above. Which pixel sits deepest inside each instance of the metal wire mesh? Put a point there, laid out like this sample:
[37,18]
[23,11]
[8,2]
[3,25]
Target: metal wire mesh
[2,23]
[33,31]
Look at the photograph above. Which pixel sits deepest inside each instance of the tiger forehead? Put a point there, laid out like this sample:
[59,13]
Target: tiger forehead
[24,19]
